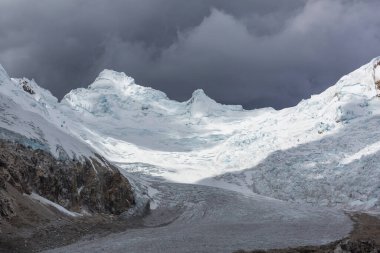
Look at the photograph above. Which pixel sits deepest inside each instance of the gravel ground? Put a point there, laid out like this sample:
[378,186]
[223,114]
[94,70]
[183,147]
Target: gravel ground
[364,238]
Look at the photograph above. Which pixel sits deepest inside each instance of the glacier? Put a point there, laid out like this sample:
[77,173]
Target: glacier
[216,177]
[323,151]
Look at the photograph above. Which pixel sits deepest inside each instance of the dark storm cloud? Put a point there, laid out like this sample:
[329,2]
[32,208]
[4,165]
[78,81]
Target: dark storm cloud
[255,53]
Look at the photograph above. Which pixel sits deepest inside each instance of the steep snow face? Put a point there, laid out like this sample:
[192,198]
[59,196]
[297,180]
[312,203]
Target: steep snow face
[26,93]
[32,98]
[347,99]
[27,113]
[35,131]
[202,141]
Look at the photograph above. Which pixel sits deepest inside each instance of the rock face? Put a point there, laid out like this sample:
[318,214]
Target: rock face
[359,246]
[90,185]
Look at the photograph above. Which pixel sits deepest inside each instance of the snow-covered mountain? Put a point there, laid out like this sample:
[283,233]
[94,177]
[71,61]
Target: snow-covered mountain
[29,114]
[51,167]
[325,150]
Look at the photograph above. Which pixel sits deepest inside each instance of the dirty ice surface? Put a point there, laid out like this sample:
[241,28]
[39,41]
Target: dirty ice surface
[195,218]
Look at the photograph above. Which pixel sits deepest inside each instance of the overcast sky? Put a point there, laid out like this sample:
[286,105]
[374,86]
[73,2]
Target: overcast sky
[254,53]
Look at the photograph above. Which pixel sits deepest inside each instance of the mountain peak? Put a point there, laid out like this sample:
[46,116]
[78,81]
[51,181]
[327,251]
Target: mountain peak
[202,105]
[198,92]
[199,96]
[112,79]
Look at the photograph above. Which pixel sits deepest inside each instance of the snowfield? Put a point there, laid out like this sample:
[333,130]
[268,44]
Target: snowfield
[320,157]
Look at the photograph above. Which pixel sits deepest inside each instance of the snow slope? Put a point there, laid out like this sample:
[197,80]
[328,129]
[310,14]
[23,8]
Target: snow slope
[26,118]
[323,151]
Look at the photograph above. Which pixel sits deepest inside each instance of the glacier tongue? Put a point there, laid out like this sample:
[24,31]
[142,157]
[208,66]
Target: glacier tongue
[202,141]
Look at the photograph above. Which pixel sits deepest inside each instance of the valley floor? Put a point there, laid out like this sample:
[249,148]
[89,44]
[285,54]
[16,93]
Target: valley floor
[195,218]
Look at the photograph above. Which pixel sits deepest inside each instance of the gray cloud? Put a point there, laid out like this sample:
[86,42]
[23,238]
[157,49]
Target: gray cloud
[255,53]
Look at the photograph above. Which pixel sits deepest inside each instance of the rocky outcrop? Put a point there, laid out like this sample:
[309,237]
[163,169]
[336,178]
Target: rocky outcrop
[349,246]
[92,185]
[345,246]
[376,71]
[26,87]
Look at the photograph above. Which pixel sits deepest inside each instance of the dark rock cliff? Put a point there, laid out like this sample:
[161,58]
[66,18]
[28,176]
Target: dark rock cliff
[89,185]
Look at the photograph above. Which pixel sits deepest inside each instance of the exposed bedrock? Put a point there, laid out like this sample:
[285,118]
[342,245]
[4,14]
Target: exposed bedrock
[91,185]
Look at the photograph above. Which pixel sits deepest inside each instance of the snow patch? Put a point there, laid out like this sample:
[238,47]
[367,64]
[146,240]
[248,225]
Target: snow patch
[45,201]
